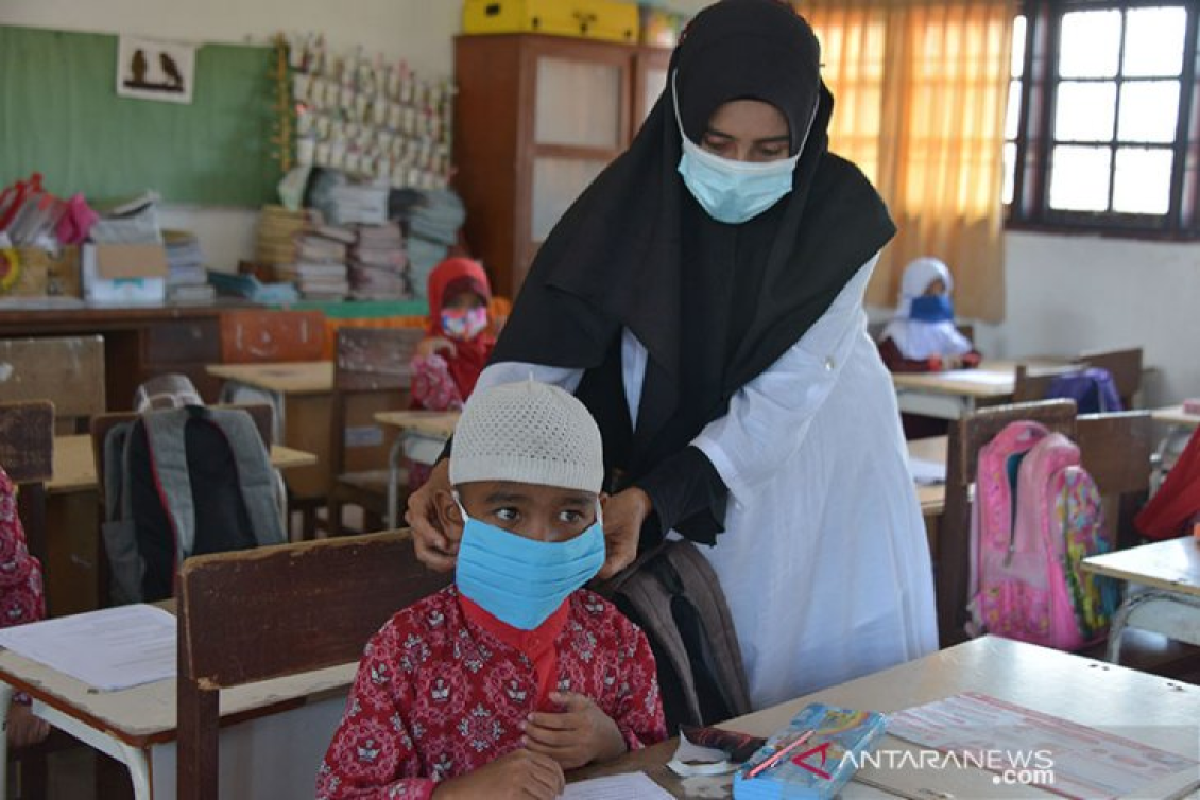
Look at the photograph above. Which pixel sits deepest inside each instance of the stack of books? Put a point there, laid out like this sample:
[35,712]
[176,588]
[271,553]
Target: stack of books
[187,279]
[379,264]
[319,270]
[278,230]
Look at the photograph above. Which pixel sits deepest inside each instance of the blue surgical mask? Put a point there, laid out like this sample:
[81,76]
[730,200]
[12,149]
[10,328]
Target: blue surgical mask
[932,308]
[733,191]
[522,581]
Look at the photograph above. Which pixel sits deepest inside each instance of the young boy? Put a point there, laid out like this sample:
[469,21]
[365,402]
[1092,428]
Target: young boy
[495,685]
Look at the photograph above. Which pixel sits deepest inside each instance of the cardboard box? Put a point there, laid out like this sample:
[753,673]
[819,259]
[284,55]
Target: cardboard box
[124,273]
[47,274]
[367,205]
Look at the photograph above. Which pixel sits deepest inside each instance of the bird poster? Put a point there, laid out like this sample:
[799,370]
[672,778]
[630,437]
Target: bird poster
[152,69]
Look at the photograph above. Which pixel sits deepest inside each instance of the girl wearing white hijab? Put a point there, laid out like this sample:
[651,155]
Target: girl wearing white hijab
[922,336]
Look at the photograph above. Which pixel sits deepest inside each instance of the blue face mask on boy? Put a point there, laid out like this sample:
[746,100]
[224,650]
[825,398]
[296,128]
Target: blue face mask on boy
[522,581]
[932,308]
[733,191]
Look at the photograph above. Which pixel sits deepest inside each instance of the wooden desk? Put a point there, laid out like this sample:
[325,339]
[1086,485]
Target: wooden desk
[301,394]
[954,393]
[433,425]
[1173,415]
[1151,710]
[72,511]
[1170,604]
[932,497]
[274,734]
[139,341]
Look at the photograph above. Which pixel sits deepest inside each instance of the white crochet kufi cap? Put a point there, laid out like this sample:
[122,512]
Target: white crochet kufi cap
[527,432]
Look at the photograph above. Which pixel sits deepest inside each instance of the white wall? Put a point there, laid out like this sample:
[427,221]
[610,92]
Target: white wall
[1067,294]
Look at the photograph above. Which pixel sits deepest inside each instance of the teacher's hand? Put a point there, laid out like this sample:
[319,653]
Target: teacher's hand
[624,514]
[436,547]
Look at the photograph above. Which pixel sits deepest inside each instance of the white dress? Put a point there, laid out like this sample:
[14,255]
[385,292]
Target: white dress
[824,561]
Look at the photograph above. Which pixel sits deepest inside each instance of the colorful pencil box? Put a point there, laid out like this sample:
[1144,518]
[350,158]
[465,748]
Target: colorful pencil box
[819,767]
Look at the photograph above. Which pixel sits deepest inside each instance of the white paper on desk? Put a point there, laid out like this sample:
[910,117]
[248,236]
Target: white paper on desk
[1084,762]
[984,377]
[926,472]
[110,649]
[626,786]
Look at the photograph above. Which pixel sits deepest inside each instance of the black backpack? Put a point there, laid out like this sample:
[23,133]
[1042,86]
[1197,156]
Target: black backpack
[180,483]
[673,595]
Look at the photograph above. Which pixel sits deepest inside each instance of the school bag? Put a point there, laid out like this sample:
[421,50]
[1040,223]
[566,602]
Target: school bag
[179,483]
[1092,389]
[673,595]
[1038,515]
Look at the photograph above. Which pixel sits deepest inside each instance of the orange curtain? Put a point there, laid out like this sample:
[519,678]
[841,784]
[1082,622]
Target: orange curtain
[920,89]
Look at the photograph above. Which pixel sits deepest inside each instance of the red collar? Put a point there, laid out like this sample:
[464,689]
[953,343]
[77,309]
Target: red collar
[531,642]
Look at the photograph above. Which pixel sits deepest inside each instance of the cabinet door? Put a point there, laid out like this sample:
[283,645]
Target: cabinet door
[649,80]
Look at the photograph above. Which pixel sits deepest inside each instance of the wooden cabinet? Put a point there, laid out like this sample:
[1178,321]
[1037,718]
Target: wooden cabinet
[538,118]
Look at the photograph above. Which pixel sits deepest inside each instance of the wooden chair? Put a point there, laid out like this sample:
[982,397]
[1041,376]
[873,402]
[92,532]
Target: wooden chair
[26,453]
[967,436]
[256,337]
[68,371]
[1125,366]
[1116,450]
[1031,384]
[347,587]
[372,373]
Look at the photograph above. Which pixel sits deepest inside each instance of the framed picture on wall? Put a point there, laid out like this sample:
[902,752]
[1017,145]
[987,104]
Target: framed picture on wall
[151,69]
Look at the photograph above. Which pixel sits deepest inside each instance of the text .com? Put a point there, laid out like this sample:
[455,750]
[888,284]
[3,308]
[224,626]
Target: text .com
[1010,767]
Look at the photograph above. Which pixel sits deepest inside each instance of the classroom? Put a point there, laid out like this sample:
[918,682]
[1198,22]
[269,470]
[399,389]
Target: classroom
[599,399]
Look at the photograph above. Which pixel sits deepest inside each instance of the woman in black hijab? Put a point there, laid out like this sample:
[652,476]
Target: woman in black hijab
[703,298]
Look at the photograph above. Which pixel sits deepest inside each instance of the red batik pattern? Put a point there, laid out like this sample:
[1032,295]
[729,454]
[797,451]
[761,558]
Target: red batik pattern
[437,697]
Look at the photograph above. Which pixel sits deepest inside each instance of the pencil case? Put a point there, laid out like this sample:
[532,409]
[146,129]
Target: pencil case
[819,767]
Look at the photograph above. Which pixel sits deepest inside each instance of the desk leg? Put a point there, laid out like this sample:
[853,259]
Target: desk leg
[393,491]
[139,770]
[6,695]
[133,758]
[1173,615]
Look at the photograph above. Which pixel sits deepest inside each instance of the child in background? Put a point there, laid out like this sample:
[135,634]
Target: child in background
[493,686]
[922,336]
[458,342]
[21,600]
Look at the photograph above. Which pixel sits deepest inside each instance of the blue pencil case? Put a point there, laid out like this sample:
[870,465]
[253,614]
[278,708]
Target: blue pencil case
[819,767]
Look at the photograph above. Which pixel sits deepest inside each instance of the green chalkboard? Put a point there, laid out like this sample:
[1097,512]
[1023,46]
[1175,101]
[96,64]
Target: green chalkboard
[60,115]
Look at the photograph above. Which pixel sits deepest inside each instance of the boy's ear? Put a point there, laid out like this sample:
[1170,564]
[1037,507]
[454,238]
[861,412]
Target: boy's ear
[449,513]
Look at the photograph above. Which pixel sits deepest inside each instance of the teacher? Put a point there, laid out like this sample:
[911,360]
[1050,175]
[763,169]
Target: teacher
[704,299]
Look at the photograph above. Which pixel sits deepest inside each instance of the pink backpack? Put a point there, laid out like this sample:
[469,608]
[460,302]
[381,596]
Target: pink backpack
[1029,547]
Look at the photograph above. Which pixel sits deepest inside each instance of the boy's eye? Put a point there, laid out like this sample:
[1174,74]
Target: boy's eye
[506,514]
[570,516]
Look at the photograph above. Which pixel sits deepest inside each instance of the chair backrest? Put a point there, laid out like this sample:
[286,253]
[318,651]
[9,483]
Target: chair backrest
[967,435]
[27,455]
[262,414]
[347,588]
[1116,450]
[256,336]
[1125,366]
[1031,384]
[372,372]
[66,370]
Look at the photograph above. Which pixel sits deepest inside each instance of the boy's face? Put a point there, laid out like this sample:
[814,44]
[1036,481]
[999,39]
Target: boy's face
[532,511]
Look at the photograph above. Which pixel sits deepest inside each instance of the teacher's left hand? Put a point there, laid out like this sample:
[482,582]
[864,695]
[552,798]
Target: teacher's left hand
[624,514]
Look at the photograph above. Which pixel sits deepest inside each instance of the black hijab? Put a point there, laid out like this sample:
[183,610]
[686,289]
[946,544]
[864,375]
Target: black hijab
[714,304]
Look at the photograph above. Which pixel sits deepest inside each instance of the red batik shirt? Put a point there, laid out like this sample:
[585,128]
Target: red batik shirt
[443,688]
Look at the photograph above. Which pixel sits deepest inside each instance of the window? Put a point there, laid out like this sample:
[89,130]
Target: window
[1098,134]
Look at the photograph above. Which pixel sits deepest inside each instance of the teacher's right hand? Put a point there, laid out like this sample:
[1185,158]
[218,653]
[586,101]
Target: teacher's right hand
[436,547]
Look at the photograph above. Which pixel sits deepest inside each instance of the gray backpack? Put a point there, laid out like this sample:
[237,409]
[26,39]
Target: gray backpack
[673,595]
[179,483]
